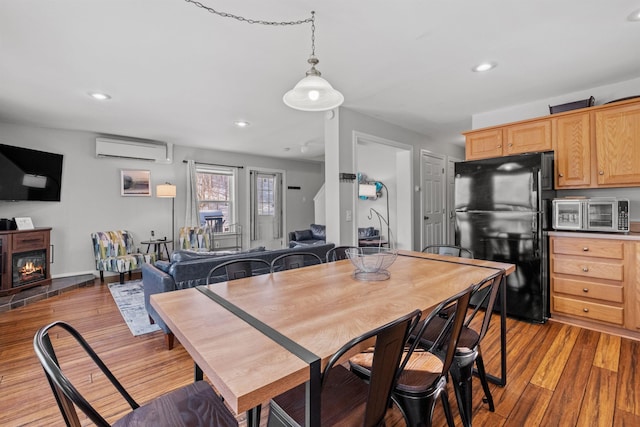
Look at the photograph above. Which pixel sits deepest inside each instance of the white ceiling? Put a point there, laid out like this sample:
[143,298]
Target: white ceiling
[179,74]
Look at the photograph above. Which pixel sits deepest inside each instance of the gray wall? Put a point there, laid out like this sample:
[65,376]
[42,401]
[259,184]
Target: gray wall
[339,148]
[91,199]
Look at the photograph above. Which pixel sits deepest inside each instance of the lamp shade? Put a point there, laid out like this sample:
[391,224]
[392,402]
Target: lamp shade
[313,93]
[367,190]
[166,190]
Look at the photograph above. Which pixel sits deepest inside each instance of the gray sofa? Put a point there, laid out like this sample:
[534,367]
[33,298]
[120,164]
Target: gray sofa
[316,234]
[188,269]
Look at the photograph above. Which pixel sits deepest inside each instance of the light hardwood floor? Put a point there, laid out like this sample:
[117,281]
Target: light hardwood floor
[557,375]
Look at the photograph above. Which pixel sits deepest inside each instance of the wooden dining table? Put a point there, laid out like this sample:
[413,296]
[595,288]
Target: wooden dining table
[257,337]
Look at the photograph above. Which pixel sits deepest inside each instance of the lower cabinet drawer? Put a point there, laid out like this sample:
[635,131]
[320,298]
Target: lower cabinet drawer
[588,310]
[582,288]
[28,241]
[588,268]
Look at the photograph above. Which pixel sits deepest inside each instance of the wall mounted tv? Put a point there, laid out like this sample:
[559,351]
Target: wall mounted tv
[27,174]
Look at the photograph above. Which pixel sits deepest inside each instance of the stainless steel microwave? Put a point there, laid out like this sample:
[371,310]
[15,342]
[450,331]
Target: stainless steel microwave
[595,214]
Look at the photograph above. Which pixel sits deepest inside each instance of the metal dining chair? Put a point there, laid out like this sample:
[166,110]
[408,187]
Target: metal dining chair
[451,250]
[484,296]
[238,269]
[347,400]
[294,260]
[338,253]
[423,372]
[193,405]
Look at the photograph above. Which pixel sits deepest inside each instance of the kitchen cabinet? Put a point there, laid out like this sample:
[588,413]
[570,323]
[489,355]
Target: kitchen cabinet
[518,138]
[594,282]
[595,147]
[617,136]
[483,144]
[587,279]
[529,137]
[572,146]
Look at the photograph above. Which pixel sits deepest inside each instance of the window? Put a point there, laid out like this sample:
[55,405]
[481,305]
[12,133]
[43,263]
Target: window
[266,197]
[216,197]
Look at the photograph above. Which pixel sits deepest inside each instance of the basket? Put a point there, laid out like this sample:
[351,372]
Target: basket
[371,263]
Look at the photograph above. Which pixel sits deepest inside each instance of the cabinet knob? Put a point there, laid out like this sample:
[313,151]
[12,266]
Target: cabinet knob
[585,249]
[585,290]
[601,172]
[561,175]
[510,144]
[499,145]
[586,310]
[585,269]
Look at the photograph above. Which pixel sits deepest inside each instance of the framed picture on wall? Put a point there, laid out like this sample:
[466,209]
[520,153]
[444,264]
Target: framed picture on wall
[134,182]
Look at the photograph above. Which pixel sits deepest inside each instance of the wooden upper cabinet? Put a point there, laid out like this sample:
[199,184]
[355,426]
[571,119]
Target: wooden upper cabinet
[483,144]
[618,145]
[529,137]
[572,144]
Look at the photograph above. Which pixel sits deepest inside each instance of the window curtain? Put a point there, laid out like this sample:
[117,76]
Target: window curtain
[192,214]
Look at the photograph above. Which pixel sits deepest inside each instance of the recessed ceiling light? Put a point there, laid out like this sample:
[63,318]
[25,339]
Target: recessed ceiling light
[634,16]
[241,123]
[99,96]
[485,66]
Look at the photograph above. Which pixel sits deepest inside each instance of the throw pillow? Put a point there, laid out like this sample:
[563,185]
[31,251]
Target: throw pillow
[303,235]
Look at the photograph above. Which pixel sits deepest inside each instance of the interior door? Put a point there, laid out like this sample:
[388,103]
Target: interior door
[433,199]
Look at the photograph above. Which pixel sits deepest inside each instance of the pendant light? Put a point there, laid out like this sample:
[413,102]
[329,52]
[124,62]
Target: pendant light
[313,93]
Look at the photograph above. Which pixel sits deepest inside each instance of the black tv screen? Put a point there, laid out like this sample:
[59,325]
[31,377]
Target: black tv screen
[27,174]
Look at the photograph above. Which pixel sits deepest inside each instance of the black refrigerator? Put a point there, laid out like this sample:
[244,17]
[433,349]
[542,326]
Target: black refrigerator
[502,213]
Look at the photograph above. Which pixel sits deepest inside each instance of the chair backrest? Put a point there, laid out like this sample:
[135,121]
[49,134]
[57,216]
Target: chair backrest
[450,250]
[485,296]
[194,238]
[456,309]
[294,260]
[108,244]
[238,269]
[389,345]
[338,253]
[63,390]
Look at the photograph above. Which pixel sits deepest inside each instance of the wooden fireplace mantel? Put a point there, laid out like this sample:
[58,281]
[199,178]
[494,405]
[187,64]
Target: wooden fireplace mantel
[18,241]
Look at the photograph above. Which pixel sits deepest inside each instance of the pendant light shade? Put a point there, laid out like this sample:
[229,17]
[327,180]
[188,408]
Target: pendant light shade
[313,93]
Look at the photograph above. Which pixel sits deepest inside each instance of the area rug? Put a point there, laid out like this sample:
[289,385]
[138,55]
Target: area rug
[129,298]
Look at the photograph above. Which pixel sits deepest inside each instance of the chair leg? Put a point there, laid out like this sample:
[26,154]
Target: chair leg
[168,340]
[121,278]
[101,276]
[483,380]
[461,374]
[447,408]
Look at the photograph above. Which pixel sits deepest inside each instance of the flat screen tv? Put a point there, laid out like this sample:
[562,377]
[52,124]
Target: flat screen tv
[27,174]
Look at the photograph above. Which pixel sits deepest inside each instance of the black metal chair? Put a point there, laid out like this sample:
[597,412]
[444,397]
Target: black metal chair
[484,297]
[346,400]
[294,260]
[451,250]
[423,373]
[193,405]
[238,269]
[338,253]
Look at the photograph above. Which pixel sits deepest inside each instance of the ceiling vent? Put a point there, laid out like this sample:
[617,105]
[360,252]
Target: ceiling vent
[153,151]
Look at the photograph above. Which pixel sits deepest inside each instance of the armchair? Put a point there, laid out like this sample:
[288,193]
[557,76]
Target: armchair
[114,251]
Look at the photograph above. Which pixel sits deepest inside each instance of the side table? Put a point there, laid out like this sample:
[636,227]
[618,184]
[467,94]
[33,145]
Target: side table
[157,246]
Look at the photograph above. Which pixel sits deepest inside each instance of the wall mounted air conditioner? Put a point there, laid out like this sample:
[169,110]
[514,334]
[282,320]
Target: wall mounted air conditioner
[154,151]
